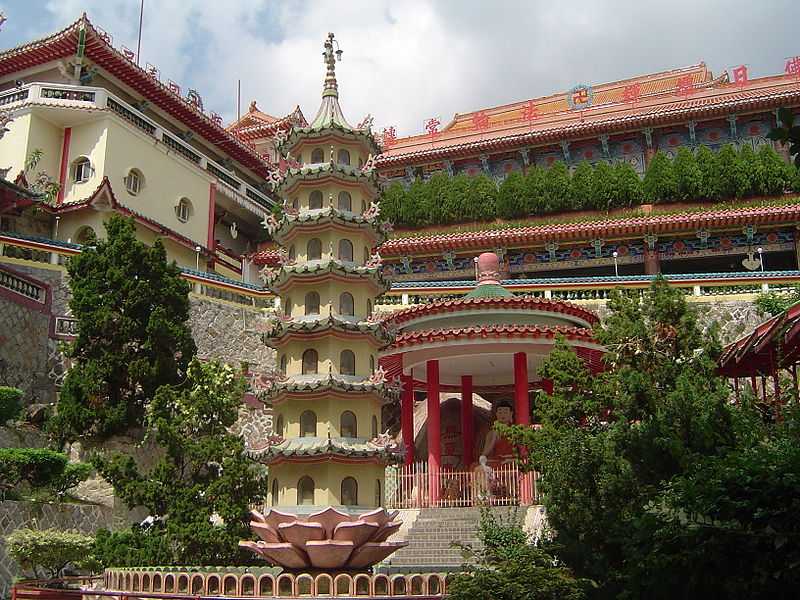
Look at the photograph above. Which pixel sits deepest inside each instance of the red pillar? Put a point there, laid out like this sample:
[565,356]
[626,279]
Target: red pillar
[407,416]
[467,436]
[521,403]
[434,431]
[652,266]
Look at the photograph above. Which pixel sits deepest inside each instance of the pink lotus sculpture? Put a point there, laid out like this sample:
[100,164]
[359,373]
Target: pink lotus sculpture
[328,539]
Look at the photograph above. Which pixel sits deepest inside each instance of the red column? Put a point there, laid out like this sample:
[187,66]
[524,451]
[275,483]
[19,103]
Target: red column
[434,431]
[407,416]
[467,436]
[521,402]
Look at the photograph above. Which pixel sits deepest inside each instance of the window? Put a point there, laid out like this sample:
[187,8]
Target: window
[183,210]
[348,426]
[284,362]
[363,206]
[81,170]
[378,493]
[347,363]
[346,250]
[343,157]
[85,235]
[287,308]
[308,424]
[349,491]
[346,304]
[310,361]
[345,201]
[314,249]
[312,303]
[134,182]
[315,200]
[279,426]
[317,155]
[292,253]
[371,363]
[274,492]
[369,307]
[295,203]
[305,491]
[374,427]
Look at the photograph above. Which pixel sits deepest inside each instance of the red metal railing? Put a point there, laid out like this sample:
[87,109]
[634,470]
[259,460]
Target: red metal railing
[504,485]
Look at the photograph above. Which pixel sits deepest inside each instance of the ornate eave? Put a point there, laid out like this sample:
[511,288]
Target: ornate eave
[313,386]
[318,270]
[310,220]
[302,135]
[315,172]
[284,331]
[313,449]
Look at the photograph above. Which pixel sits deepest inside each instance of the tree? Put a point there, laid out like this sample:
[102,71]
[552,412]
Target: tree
[776,175]
[202,477]
[481,198]
[660,183]
[733,179]
[753,170]
[10,403]
[605,194]
[709,168]
[688,174]
[511,197]
[582,187]
[787,133]
[535,190]
[556,188]
[47,553]
[628,185]
[133,333]
[772,303]
[391,202]
[510,567]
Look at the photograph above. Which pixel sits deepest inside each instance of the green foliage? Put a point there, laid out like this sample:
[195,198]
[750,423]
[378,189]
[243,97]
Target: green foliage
[605,194]
[133,334]
[787,133]
[773,303]
[688,174]
[74,473]
[46,553]
[480,200]
[628,186]
[775,175]
[660,183]
[582,186]
[709,169]
[753,170]
[203,474]
[733,178]
[556,188]
[10,403]
[511,197]
[534,190]
[41,469]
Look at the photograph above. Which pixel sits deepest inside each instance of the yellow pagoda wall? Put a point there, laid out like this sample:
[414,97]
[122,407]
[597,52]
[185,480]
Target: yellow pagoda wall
[301,194]
[362,244]
[327,478]
[329,294]
[329,412]
[329,349]
[358,152]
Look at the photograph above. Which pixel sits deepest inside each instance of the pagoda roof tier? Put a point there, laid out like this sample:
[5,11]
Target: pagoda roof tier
[724,218]
[315,326]
[402,318]
[256,125]
[318,172]
[317,271]
[331,132]
[313,387]
[82,37]
[318,449]
[528,332]
[673,100]
[325,219]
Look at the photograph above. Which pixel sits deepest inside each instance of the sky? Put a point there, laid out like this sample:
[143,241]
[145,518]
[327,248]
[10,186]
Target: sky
[407,61]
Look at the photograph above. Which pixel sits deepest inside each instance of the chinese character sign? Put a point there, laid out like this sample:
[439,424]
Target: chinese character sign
[632,93]
[128,53]
[216,119]
[740,75]
[530,112]
[151,70]
[389,136]
[793,67]
[684,86]
[432,126]
[480,121]
[174,87]
[195,99]
[580,97]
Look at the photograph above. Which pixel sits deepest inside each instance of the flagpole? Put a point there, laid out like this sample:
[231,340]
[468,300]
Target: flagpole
[139,45]
[239,100]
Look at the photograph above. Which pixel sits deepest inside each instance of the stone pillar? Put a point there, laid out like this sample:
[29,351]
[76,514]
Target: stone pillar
[434,431]
[407,416]
[467,435]
[521,401]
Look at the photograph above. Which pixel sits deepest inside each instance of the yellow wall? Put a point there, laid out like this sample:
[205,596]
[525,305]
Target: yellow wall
[362,244]
[358,152]
[329,294]
[89,140]
[360,195]
[329,412]
[329,349]
[327,482]
[26,133]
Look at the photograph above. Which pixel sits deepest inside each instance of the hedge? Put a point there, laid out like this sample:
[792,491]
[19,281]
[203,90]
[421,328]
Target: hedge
[48,552]
[39,468]
[10,403]
[691,176]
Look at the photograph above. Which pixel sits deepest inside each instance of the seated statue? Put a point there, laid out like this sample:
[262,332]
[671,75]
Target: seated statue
[497,450]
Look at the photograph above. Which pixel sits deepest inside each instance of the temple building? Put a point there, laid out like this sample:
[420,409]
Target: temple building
[327,449]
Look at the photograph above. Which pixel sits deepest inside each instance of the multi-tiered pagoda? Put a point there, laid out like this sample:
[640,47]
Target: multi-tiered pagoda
[328,449]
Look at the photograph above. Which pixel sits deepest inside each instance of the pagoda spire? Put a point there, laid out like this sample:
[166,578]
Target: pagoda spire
[330,113]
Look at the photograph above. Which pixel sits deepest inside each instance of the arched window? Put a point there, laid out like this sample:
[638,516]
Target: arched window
[287,307]
[369,307]
[134,182]
[85,235]
[346,250]
[279,426]
[308,424]
[81,169]
[312,303]
[349,491]
[371,363]
[343,157]
[315,200]
[348,427]
[274,492]
[317,155]
[183,210]
[295,203]
[346,304]
[378,493]
[292,253]
[305,491]
[366,254]
[363,206]
[347,363]
[310,360]
[314,249]
[284,362]
[374,427]
[345,201]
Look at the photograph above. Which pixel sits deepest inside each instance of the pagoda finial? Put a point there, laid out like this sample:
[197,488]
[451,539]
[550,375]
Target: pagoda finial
[331,88]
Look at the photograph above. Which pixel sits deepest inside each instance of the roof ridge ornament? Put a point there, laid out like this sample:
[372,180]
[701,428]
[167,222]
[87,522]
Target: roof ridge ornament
[331,88]
[330,113]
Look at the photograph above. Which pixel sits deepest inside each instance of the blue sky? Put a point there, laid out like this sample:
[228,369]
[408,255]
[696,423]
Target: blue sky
[407,61]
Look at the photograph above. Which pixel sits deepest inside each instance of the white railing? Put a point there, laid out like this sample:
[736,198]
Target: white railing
[75,95]
[409,486]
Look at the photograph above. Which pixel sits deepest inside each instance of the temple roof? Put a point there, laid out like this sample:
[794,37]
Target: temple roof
[660,101]
[329,217]
[98,49]
[255,124]
[330,113]
[283,329]
[315,447]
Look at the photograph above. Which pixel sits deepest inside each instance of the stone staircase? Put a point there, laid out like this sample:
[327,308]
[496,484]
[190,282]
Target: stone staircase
[430,539]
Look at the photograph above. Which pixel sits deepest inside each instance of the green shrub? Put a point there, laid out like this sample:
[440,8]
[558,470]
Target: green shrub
[556,189]
[481,199]
[776,174]
[628,185]
[534,190]
[40,468]
[605,191]
[582,187]
[511,197]
[709,170]
[688,174]
[660,184]
[753,170]
[74,473]
[391,203]
[46,553]
[733,179]
[10,403]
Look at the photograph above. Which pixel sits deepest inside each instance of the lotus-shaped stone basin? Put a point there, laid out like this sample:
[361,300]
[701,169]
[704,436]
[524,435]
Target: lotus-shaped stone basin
[328,539]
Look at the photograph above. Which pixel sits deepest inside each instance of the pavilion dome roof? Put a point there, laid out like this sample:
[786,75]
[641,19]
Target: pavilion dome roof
[488,267]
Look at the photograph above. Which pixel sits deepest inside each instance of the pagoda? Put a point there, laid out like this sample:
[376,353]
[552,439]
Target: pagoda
[327,449]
